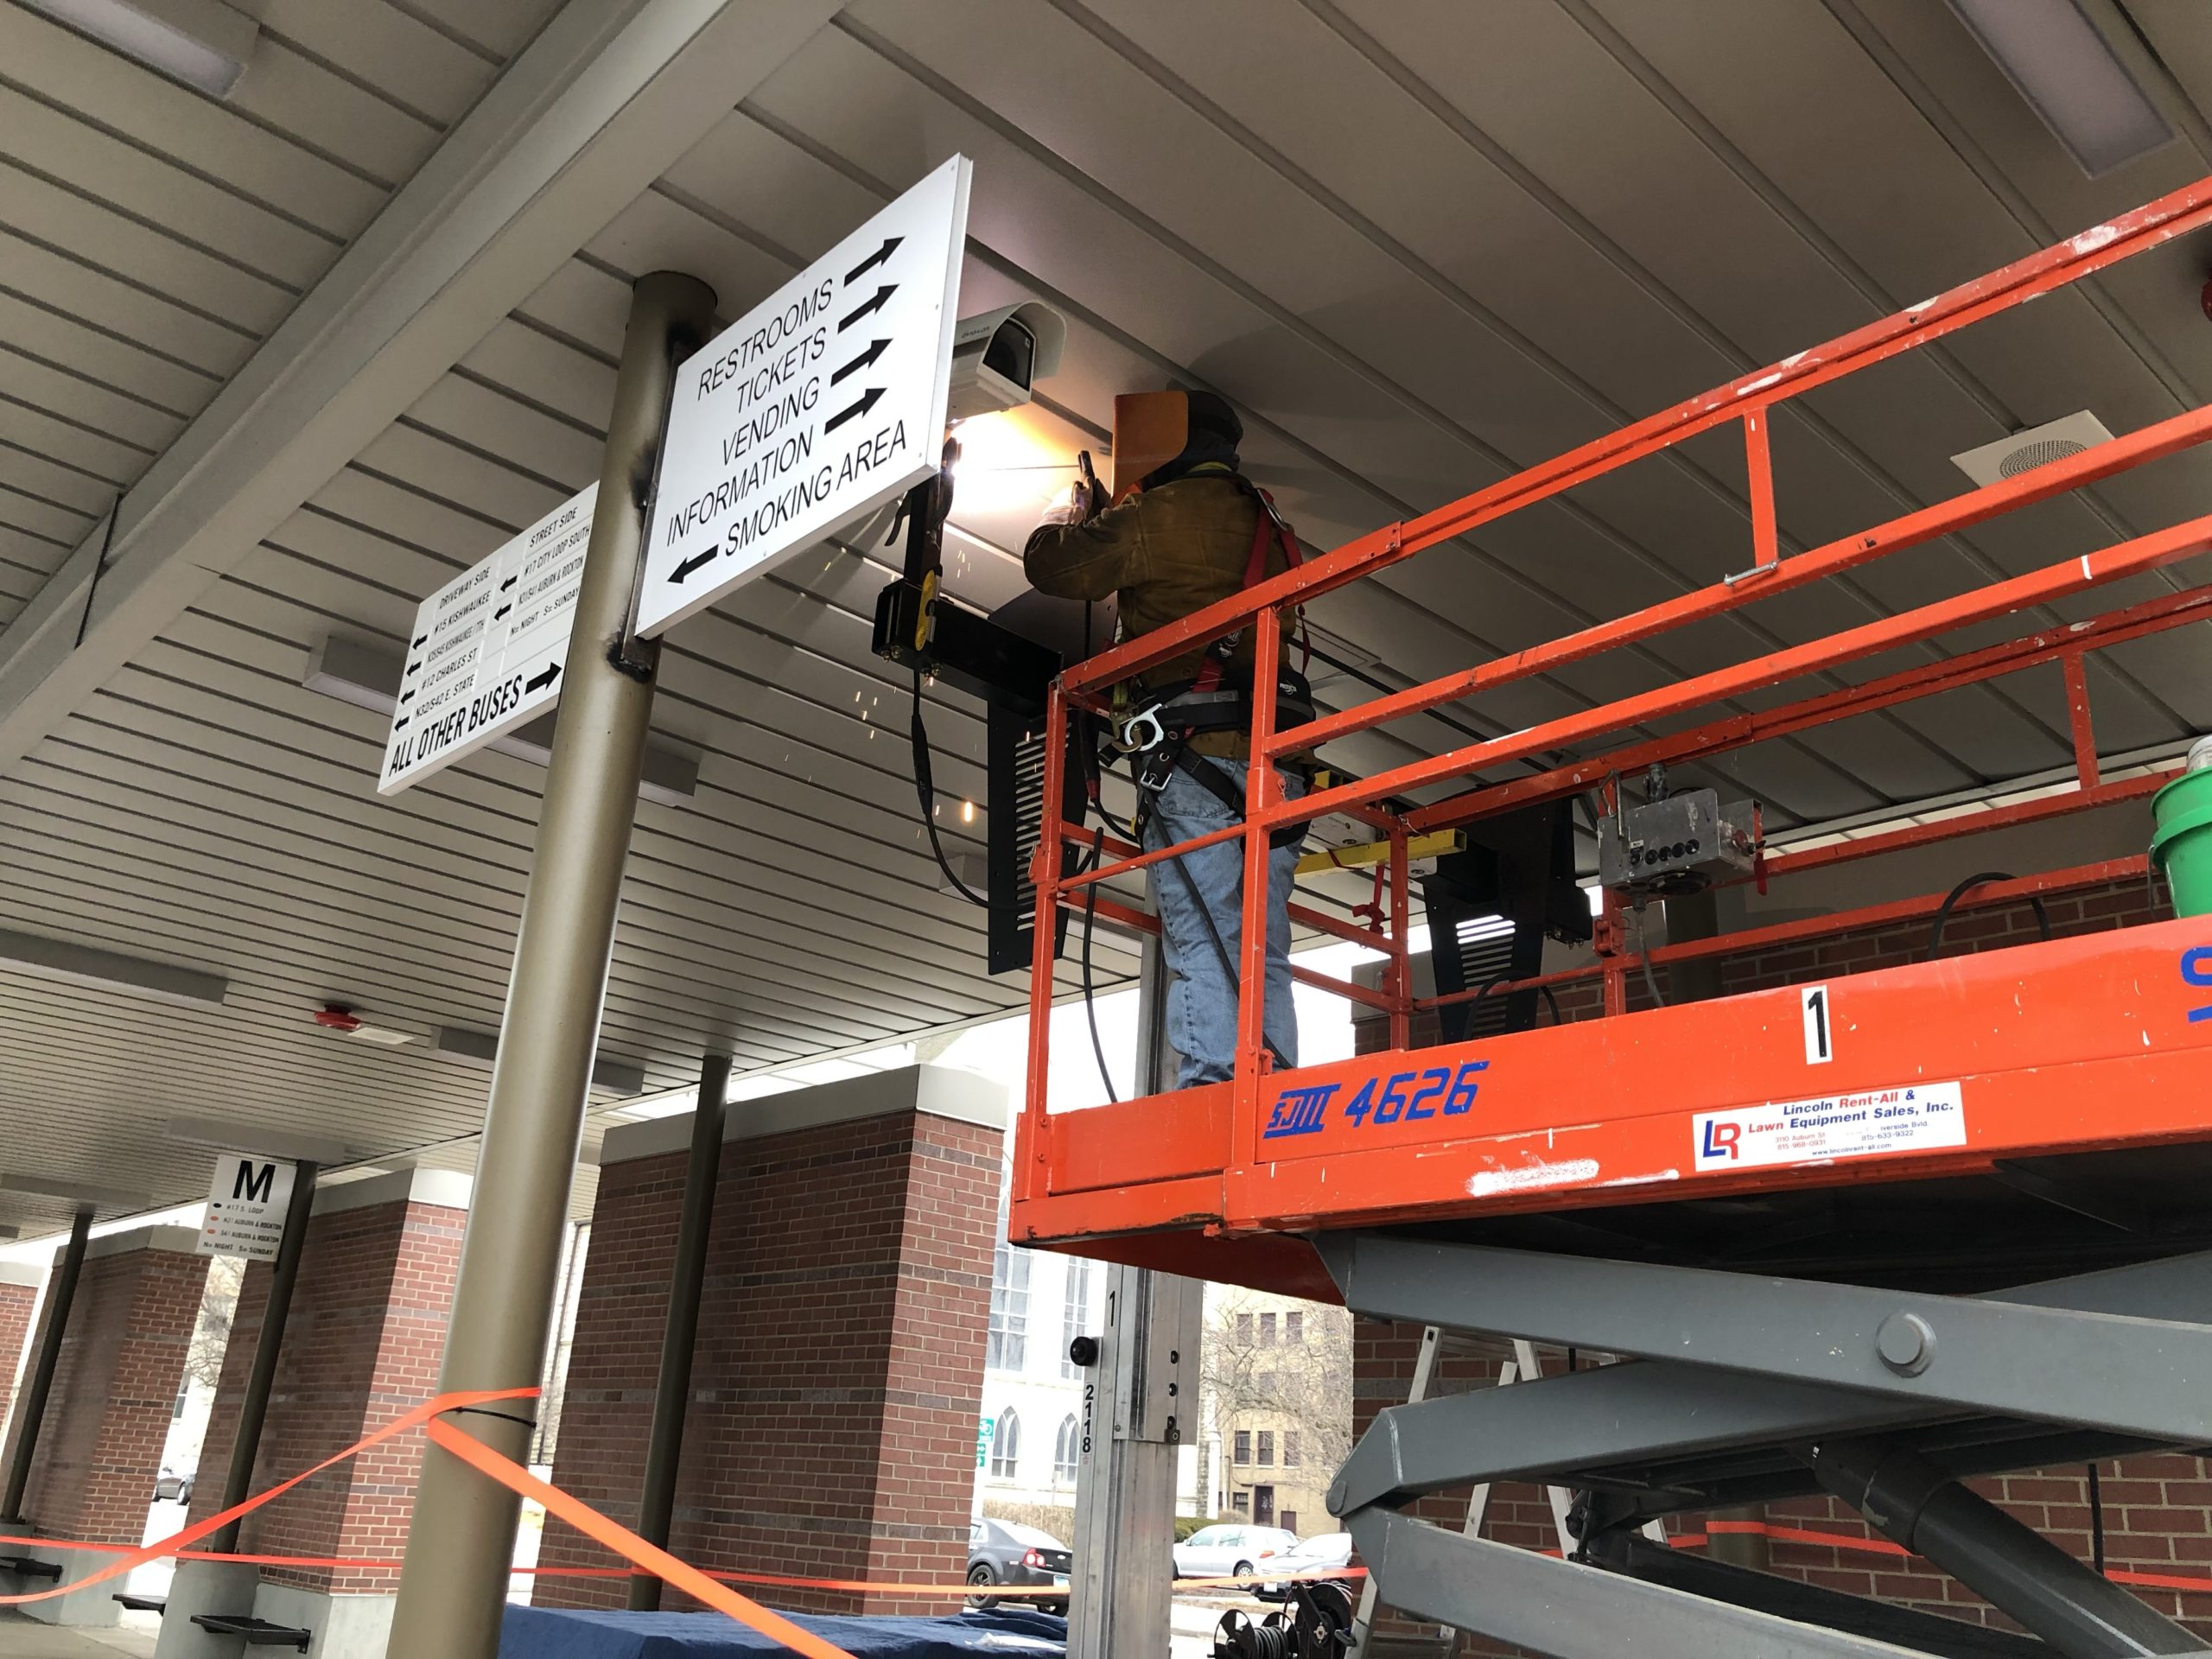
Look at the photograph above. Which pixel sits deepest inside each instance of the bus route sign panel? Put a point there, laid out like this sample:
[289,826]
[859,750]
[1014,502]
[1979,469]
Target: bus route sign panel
[820,404]
[488,648]
[246,1202]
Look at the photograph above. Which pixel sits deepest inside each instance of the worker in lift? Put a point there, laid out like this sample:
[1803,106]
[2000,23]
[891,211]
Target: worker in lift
[1189,530]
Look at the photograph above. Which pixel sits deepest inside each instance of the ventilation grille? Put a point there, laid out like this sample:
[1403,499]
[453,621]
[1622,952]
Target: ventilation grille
[2036,447]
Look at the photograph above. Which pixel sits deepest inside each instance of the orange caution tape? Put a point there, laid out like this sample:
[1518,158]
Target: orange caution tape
[2185,1584]
[127,1560]
[624,1542]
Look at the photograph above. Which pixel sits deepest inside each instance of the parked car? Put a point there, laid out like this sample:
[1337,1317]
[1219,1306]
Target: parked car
[1229,1550]
[1008,1552]
[1323,1553]
[172,1488]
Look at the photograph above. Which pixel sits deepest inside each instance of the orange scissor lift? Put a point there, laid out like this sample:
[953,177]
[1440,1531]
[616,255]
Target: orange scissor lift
[2002,1259]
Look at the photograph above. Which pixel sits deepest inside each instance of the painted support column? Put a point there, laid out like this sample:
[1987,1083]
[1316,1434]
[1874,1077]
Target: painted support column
[454,1588]
[681,1333]
[23,1446]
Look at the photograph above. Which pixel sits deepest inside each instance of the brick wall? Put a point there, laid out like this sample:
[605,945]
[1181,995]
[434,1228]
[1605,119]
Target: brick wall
[17,1302]
[2158,1511]
[115,1387]
[838,1376]
[362,1347]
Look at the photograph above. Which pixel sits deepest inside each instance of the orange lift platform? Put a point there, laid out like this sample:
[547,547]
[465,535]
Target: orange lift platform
[1867,1235]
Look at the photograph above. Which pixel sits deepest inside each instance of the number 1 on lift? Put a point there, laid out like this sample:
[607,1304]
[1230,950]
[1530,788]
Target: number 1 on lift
[1814,1002]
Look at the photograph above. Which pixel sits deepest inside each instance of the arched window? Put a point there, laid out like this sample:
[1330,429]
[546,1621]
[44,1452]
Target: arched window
[1063,1450]
[1006,1445]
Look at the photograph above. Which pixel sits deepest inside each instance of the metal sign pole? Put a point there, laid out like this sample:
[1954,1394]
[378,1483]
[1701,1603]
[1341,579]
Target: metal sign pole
[453,1586]
[253,1410]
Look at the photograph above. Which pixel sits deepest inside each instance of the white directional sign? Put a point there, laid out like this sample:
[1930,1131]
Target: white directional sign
[819,405]
[487,648]
[245,1206]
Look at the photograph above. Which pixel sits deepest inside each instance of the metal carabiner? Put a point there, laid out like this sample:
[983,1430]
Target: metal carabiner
[1130,739]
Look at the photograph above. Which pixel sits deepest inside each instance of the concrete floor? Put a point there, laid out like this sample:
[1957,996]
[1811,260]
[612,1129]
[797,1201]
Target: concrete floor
[26,1638]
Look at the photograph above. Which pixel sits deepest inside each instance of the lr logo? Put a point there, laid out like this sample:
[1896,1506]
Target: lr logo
[1720,1139]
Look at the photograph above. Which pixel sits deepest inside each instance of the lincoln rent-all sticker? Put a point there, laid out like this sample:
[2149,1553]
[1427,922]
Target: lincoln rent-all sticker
[1834,1125]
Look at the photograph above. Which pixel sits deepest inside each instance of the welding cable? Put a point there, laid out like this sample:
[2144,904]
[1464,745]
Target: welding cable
[1643,961]
[1951,899]
[1090,920]
[1499,978]
[926,793]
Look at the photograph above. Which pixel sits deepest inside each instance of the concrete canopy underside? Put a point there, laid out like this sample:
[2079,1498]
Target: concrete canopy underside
[333,341]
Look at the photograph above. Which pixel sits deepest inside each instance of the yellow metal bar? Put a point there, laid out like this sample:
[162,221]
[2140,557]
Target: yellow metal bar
[1434,844]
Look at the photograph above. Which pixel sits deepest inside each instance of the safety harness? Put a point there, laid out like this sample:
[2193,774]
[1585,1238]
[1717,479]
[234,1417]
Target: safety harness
[1157,737]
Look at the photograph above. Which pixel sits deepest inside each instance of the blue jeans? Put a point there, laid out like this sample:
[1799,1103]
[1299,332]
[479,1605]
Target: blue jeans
[1202,990]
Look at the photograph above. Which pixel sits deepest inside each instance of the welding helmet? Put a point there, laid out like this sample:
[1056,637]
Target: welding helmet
[1159,437]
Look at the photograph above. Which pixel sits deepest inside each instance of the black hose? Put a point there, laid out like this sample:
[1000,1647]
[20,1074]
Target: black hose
[1497,979]
[926,793]
[1090,1006]
[1951,899]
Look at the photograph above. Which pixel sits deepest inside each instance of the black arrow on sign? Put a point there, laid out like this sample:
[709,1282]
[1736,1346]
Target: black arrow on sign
[536,681]
[510,582]
[876,349]
[406,696]
[399,725]
[419,639]
[683,570]
[876,302]
[867,403]
[890,246]
[411,667]
[501,612]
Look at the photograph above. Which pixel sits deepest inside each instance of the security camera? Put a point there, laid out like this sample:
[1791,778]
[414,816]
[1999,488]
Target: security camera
[999,356]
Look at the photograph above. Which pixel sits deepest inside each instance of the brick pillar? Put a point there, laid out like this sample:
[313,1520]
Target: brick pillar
[839,1376]
[115,1388]
[362,1347]
[20,1286]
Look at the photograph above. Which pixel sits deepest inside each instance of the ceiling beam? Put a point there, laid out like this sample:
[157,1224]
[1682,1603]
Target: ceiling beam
[600,104]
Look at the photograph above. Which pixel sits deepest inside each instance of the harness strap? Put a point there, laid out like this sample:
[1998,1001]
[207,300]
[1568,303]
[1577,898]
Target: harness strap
[1268,526]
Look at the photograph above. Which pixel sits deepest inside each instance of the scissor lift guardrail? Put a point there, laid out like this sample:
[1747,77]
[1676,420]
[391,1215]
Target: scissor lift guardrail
[1864,1237]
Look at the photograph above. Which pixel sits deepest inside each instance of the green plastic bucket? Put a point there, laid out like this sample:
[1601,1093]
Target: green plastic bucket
[2182,844]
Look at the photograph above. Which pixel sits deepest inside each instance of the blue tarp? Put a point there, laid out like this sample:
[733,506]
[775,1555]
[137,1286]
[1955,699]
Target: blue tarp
[554,1633]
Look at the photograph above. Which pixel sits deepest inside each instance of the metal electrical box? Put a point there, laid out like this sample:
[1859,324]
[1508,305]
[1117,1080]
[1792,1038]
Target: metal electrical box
[1681,844]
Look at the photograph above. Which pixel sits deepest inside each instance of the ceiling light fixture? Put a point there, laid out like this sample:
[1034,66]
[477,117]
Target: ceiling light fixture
[77,1193]
[231,1135]
[203,43]
[609,1076]
[367,676]
[87,964]
[2053,54]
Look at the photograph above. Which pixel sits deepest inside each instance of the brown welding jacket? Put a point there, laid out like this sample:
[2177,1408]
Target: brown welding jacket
[1167,552]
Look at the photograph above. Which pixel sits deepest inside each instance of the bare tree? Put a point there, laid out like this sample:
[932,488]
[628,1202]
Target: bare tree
[219,1312]
[1253,1371]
